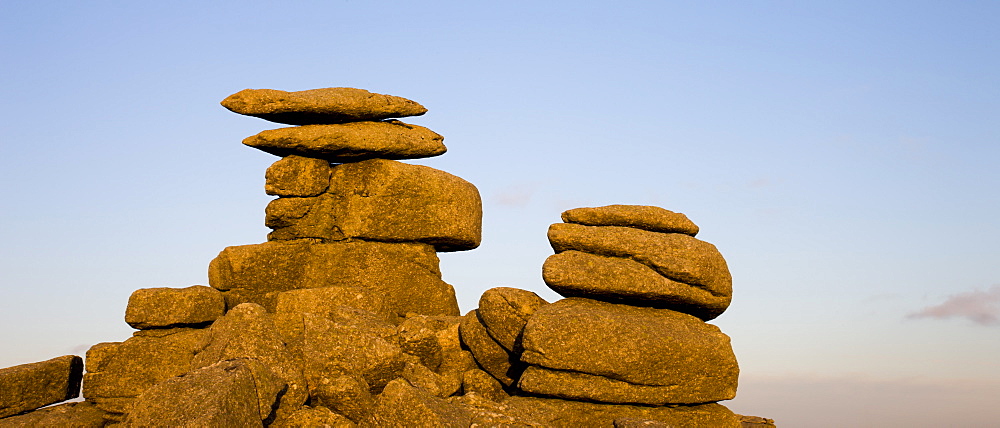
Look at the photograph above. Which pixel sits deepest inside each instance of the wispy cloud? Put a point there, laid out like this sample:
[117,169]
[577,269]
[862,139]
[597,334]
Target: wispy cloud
[517,195]
[979,306]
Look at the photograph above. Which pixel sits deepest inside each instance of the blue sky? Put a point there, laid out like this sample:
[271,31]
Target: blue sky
[841,156]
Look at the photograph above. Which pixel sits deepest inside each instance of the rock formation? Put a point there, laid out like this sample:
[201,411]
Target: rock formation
[342,319]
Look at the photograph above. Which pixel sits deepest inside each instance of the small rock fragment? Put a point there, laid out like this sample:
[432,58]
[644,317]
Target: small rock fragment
[297,176]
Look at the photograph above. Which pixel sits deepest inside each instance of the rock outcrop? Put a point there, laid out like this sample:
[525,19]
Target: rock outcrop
[341,318]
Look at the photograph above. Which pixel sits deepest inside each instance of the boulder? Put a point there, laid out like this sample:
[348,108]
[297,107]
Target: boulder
[349,395]
[30,386]
[403,405]
[351,142]
[504,311]
[119,372]
[599,351]
[405,275]
[304,218]
[338,300]
[76,415]
[314,417]
[645,217]
[616,279]
[476,381]
[489,354]
[249,332]
[326,105]
[330,350]
[385,200]
[174,307]
[674,255]
[230,393]
[571,414]
[297,176]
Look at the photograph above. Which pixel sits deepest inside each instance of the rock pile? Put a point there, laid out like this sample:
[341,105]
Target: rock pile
[341,318]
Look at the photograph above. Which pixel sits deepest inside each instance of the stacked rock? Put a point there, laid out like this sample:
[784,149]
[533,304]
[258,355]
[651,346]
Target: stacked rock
[352,226]
[638,289]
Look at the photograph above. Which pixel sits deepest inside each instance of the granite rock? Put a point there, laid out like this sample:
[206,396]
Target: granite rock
[314,417]
[351,142]
[317,106]
[623,354]
[504,311]
[76,415]
[403,405]
[385,200]
[174,307]
[645,217]
[349,395]
[676,256]
[249,332]
[297,176]
[230,393]
[405,275]
[571,414]
[615,279]
[30,386]
[119,372]
[489,354]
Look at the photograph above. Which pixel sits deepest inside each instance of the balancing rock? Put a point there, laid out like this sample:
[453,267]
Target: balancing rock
[319,106]
[654,219]
[351,142]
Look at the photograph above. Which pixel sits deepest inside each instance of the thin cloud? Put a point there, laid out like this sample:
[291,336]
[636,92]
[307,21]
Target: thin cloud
[981,307]
[517,195]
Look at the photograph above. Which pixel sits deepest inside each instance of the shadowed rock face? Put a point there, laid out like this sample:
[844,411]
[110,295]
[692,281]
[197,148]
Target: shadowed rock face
[342,318]
[320,106]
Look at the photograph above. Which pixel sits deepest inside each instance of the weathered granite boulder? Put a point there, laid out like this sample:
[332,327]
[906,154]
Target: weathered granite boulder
[230,393]
[476,381]
[489,354]
[646,217]
[351,142]
[385,200]
[349,395]
[329,350]
[403,405]
[76,415]
[174,307]
[119,372]
[249,332]
[571,414]
[30,386]
[316,218]
[297,176]
[674,255]
[584,349]
[504,311]
[404,275]
[326,105]
[622,280]
[314,417]
[755,422]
